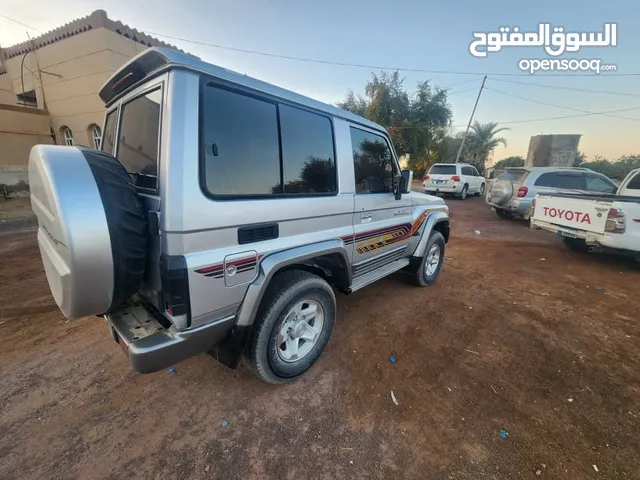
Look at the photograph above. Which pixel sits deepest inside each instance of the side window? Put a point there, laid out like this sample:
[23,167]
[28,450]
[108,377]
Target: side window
[599,184]
[139,137]
[241,150]
[308,161]
[373,162]
[109,137]
[475,172]
[468,171]
[634,183]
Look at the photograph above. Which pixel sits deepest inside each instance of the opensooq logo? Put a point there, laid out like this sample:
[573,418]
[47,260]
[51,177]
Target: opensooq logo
[554,40]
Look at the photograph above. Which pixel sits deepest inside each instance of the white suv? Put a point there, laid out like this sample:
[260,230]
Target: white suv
[460,179]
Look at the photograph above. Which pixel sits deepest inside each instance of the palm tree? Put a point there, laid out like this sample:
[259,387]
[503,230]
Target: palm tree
[482,140]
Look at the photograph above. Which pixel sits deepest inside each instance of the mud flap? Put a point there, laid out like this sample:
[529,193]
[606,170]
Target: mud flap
[230,351]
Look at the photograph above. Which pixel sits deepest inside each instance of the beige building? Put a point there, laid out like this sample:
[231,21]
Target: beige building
[49,86]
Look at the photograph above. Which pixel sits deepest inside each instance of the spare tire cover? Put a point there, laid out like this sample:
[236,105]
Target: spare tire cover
[501,191]
[92,228]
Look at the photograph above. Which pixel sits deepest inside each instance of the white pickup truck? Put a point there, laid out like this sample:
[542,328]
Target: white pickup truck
[594,223]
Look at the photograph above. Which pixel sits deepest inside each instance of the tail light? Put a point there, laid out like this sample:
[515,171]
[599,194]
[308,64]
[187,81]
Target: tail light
[616,221]
[455,178]
[426,177]
[175,285]
[522,192]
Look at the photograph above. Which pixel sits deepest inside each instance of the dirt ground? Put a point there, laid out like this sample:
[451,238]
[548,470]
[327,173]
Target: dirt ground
[518,335]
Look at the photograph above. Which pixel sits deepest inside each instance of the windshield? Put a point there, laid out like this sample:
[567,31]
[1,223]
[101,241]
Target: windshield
[443,170]
[514,175]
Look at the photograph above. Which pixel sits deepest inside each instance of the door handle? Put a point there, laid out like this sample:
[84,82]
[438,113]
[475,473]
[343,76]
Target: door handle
[365,216]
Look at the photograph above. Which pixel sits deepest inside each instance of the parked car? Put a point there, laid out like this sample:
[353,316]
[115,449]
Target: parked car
[511,193]
[459,179]
[221,215]
[603,223]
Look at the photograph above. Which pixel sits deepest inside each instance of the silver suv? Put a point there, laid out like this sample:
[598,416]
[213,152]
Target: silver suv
[221,215]
[512,192]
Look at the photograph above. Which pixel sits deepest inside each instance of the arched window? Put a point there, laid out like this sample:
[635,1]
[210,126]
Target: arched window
[96,135]
[68,136]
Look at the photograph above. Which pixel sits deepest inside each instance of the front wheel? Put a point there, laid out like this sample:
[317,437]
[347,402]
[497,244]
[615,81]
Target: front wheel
[428,267]
[292,328]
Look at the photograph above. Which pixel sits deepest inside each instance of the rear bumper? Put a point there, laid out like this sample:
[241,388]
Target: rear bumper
[431,188]
[152,347]
[520,206]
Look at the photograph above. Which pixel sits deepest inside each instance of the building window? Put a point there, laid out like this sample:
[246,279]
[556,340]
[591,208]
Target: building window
[96,135]
[28,99]
[68,136]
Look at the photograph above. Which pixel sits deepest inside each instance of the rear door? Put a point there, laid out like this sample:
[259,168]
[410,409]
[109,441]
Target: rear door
[440,174]
[382,224]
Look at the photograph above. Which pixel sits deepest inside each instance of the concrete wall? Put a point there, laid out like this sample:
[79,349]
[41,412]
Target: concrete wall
[552,150]
[6,92]
[20,129]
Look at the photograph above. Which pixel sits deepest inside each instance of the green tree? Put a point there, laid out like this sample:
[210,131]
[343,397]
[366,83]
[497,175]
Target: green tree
[617,169]
[516,161]
[481,141]
[416,122]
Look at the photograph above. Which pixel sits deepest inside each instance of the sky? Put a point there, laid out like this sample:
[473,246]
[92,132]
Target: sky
[400,34]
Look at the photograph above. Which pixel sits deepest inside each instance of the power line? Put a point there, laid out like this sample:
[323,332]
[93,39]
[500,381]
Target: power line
[20,23]
[559,106]
[362,65]
[460,83]
[462,91]
[530,119]
[556,87]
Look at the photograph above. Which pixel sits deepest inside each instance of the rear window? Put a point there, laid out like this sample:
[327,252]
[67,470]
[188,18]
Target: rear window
[138,138]
[109,136]
[443,170]
[514,175]
[570,181]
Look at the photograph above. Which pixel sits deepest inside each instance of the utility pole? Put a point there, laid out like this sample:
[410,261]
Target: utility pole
[464,139]
[44,100]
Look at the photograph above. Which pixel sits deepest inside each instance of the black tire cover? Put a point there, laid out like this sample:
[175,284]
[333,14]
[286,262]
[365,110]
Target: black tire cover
[126,220]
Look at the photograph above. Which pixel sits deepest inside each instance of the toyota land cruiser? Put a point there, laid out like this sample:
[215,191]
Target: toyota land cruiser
[221,214]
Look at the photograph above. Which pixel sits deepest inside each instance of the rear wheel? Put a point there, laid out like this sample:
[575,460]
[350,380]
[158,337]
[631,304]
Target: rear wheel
[464,193]
[504,213]
[481,191]
[292,328]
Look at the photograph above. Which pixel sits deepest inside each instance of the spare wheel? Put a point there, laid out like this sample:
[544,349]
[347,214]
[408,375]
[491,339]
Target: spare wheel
[92,228]
[501,192]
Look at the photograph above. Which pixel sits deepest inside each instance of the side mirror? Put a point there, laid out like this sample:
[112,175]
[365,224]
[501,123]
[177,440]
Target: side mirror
[406,180]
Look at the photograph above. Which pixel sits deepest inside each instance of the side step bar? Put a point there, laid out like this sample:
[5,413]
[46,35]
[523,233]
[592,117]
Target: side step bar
[369,278]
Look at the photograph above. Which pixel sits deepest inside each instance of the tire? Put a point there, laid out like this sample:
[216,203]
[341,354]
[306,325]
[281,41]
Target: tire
[92,228]
[481,192]
[504,214]
[266,356]
[575,244]
[420,277]
[463,194]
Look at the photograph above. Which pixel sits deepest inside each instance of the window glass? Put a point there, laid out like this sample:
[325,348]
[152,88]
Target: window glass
[96,135]
[468,171]
[242,154]
[561,180]
[372,161]
[138,138]
[634,183]
[307,152]
[475,172]
[443,170]
[599,184]
[68,137]
[109,138]
[515,175]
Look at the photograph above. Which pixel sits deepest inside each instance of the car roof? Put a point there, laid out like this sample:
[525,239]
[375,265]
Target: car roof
[162,59]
